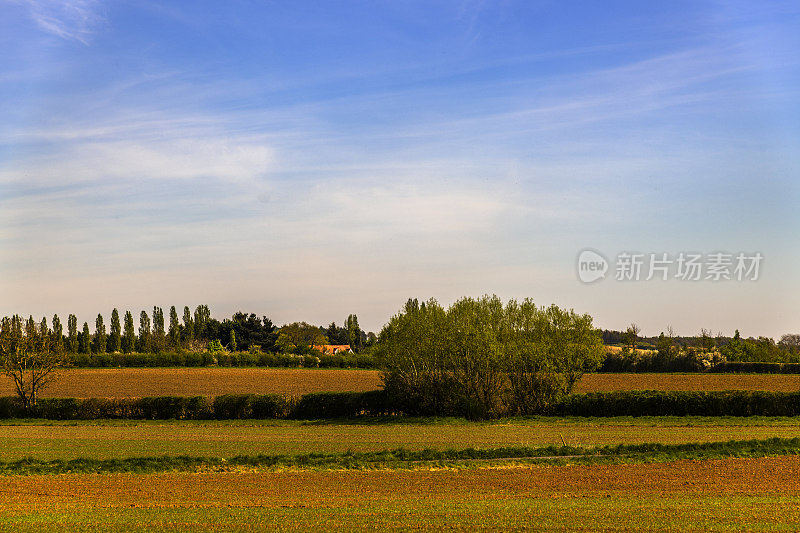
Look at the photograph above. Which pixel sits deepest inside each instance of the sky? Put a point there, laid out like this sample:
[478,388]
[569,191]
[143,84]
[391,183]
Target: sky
[309,160]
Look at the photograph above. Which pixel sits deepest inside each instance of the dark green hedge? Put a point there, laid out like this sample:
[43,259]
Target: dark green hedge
[677,403]
[377,403]
[229,406]
[342,405]
[741,367]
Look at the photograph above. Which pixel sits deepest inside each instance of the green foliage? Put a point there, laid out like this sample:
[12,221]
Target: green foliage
[299,335]
[188,326]
[380,403]
[679,403]
[174,335]
[232,344]
[129,336]
[215,347]
[58,335]
[243,406]
[144,343]
[100,337]
[482,359]
[72,334]
[159,335]
[115,336]
[342,405]
[748,367]
[28,358]
[84,340]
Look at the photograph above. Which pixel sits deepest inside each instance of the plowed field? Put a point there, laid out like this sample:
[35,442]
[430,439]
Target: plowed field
[127,382]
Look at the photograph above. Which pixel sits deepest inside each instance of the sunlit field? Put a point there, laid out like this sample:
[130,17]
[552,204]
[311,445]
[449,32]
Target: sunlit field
[714,495]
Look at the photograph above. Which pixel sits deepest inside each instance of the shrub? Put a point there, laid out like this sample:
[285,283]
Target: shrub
[342,405]
[242,406]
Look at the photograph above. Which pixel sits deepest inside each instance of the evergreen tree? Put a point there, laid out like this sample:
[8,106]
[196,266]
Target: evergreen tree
[144,333]
[115,338]
[72,333]
[100,337]
[188,326]
[58,335]
[174,328]
[129,335]
[85,339]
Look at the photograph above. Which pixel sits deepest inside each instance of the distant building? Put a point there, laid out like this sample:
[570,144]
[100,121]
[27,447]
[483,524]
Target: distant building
[333,349]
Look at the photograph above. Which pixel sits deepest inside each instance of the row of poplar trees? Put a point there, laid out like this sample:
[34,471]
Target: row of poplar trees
[153,336]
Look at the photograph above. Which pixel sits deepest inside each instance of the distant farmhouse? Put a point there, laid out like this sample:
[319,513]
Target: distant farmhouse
[333,349]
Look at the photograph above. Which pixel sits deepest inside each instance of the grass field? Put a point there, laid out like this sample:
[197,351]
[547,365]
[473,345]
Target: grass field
[127,382]
[122,439]
[712,495]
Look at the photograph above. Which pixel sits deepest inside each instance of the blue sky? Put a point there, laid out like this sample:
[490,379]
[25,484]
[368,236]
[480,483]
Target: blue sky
[308,160]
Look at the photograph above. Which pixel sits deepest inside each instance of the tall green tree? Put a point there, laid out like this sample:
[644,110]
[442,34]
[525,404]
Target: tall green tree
[58,335]
[145,341]
[44,331]
[174,335]
[85,340]
[353,332]
[188,326]
[31,329]
[72,333]
[159,333]
[100,337]
[129,334]
[202,316]
[115,335]
[480,358]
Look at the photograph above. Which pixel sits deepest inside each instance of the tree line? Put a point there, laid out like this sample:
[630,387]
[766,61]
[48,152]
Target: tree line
[195,331]
[736,348]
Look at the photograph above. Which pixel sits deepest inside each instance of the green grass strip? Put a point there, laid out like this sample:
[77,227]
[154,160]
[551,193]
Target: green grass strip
[402,458]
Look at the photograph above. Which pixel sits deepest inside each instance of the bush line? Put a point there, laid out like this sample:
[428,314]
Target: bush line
[332,405]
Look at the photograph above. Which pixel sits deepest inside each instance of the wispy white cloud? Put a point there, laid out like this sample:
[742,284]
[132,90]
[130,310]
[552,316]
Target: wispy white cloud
[69,19]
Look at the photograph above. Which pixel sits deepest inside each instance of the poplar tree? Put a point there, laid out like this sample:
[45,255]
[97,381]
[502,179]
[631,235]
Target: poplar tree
[159,335]
[84,339]
[353,332]
[129,335]
[115,338]
[144,332]
[188,326]
[202,315]
[100,337]
[72,332]
[30,329]
[174,328]
[58,335]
